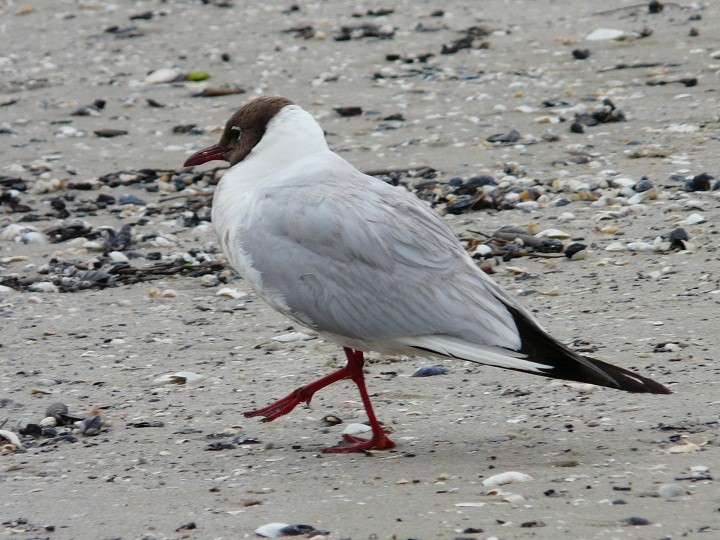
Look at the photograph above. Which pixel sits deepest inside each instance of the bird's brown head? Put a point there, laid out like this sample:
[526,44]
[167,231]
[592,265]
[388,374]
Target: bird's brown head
[242,132]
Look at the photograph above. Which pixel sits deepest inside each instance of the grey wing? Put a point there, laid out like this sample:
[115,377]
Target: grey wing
[369,261]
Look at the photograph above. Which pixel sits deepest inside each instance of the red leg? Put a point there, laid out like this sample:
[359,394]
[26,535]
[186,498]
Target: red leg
[301,395]
[379,439]
[352,370]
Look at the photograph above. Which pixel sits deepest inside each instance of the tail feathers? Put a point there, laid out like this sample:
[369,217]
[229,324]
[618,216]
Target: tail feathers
[567,364]
[539,354]
[629,381]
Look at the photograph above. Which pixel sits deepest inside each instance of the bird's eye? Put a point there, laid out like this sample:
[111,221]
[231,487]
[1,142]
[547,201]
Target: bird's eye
[236,131]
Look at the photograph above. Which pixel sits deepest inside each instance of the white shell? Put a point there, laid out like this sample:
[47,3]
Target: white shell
[162,75]
[271,530]
[510,477]
[12,438]
[230,293]
[553,233]
[292,336]
[118,257]
[181,377]
[693,219]
[355,429]
[640,246]
[604,33]
[616,246]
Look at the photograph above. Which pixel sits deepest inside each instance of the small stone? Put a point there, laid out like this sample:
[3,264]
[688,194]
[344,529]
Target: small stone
[48,421]
[169,293]
[129,198]
[44,286]
[671,491]
[110,133]
[576,252]
[90,426]
[636,521]
[581,54]
[431,371]
[209,280]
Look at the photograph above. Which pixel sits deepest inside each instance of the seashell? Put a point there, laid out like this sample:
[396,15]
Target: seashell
[230,293]
[693,219]
[510,477]
[686,448]
[483,250]
[602,34]
[12,438]
[355,429]
[640,246]
[616,246]
[275,530]
[292,336]
[162,75]
[553,233]
[181,377]
[271,530]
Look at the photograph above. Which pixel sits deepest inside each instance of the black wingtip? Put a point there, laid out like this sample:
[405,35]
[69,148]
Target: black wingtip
[567,364]
[628,380]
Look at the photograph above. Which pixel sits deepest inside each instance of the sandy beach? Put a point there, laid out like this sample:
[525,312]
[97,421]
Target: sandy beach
[599,122]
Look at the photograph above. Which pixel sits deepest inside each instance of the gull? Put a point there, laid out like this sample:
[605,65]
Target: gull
[366,264]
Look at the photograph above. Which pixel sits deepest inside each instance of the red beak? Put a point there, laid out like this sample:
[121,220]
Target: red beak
[210,153]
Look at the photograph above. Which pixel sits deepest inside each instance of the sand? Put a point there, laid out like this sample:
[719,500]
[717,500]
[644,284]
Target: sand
[596,457]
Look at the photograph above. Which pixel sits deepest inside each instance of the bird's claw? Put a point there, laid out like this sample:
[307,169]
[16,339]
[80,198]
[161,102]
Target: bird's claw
[379,441]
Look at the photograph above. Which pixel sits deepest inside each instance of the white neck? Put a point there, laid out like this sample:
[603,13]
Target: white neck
[291,135]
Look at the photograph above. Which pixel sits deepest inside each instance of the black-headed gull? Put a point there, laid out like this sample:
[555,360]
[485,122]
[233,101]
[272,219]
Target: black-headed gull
[366,264]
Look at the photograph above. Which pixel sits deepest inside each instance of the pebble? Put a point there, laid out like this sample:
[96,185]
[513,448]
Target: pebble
[129,198]
[48,421]
[431,371]
[209,280]
[671,491]
[90,426]
[510,477]
[636,521]
[44,286]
